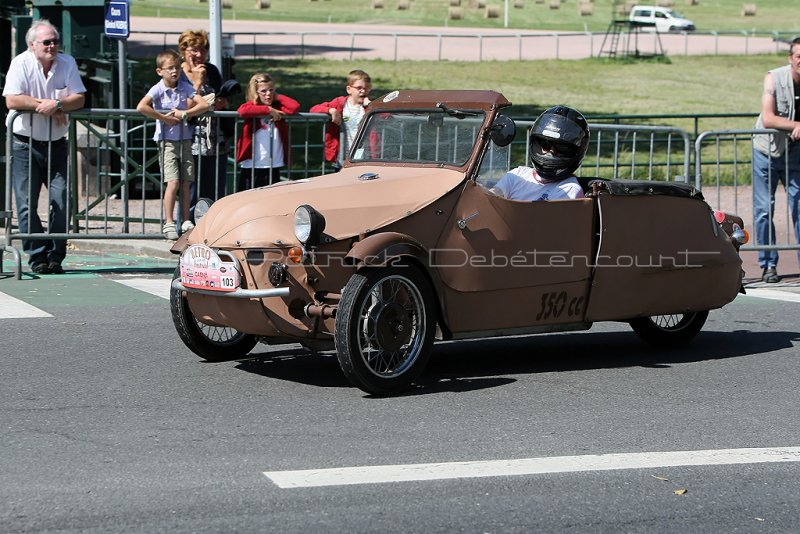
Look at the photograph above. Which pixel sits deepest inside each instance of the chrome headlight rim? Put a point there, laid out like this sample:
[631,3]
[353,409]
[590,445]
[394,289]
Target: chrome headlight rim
[308,225]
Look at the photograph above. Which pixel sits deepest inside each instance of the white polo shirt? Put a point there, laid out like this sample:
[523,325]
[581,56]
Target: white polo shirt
[523,183]
[26,77]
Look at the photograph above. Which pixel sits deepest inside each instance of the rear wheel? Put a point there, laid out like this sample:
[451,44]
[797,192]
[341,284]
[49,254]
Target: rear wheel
[669,330]
[212,343]
[384,328]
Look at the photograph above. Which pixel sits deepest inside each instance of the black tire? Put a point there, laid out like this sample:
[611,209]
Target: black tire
[212,343]
[385,325]
[669,330]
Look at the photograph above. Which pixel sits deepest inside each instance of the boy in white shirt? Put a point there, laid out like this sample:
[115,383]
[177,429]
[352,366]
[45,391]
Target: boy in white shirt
[346,113]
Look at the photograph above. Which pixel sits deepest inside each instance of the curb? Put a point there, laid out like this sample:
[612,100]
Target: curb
[150,248]
[154,248]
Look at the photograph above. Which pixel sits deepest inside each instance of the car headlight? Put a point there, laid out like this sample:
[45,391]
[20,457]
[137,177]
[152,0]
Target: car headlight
[308,225]
[201,208]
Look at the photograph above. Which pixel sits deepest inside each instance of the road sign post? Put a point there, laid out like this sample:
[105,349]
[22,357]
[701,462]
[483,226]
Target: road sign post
[117,25]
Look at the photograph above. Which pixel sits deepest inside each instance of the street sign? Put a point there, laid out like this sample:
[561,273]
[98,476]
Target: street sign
[117,22]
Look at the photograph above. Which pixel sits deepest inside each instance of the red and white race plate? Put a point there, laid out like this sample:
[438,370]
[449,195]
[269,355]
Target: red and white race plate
[202,268]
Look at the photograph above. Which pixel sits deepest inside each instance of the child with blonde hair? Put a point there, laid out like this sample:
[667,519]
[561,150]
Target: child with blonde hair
[263,148]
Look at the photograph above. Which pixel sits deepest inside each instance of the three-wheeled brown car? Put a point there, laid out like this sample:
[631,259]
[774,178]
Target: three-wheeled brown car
[407,244]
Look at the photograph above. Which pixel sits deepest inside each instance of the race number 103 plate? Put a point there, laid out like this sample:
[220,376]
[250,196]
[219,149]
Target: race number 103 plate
[202,268]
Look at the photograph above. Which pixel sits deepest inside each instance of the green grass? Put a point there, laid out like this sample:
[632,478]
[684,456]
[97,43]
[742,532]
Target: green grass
[682,85]
[708,15]
[679,86]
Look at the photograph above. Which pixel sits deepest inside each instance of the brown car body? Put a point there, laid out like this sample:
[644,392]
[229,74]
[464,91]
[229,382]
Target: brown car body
[414,246]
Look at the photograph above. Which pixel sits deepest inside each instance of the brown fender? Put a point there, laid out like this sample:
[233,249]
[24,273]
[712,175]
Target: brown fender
[383,249]
[380,249]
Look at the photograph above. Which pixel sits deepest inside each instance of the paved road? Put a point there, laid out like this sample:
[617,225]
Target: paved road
[367,41]
[108,423]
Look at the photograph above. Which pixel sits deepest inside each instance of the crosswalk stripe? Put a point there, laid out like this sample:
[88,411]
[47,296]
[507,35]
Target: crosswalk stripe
[375,474]
[773,294]
[12,308]
[155,286]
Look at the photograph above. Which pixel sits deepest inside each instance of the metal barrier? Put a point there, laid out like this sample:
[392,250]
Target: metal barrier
[627,151]
[723,165]
[115,189]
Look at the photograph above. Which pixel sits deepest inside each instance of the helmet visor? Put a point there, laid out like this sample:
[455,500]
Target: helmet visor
[559,147]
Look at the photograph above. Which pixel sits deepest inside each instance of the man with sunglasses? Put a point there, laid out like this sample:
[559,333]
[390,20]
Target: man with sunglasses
[48,83]
[558,142]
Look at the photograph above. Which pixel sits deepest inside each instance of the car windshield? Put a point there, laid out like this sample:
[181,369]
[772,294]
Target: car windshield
[444,136]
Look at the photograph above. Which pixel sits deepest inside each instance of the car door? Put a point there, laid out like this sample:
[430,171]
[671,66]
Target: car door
[506,264]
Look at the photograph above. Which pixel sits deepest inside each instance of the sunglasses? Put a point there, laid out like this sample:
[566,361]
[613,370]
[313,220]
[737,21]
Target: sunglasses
[49,42]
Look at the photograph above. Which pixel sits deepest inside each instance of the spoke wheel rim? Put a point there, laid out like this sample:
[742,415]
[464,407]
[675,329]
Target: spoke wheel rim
[391,326]
[221,335]
[672,322]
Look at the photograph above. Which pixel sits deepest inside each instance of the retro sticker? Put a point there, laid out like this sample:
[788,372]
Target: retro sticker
[202,268]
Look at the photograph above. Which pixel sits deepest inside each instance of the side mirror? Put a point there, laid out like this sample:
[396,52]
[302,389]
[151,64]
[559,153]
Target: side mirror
[503,130]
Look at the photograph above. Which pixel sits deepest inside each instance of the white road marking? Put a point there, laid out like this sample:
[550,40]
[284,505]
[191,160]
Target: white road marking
[11,308]
[773,294]
[377,474]
[155,286]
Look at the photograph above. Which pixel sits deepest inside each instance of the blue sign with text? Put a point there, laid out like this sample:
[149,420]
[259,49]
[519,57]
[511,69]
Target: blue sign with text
[117,22]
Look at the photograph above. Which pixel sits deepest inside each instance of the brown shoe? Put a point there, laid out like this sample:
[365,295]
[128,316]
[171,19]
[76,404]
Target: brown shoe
[55,268]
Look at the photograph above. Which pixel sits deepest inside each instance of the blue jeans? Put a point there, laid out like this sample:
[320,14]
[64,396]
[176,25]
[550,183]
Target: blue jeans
[767,172]
[33,157]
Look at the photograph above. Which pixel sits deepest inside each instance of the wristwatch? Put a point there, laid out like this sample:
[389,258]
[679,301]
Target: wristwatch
[59,107]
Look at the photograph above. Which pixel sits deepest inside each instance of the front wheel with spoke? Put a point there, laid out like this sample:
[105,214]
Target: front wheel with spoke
[669,330]
[212,343]
[384,328]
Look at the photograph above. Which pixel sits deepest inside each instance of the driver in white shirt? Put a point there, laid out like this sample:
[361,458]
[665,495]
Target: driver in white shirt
[558,143]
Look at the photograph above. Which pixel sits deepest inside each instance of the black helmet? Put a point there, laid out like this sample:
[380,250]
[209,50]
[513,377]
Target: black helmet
[558,142]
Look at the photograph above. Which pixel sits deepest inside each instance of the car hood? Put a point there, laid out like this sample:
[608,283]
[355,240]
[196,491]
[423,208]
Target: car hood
[353,201]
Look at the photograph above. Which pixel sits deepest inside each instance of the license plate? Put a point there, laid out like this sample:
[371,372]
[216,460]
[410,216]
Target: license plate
[202,268]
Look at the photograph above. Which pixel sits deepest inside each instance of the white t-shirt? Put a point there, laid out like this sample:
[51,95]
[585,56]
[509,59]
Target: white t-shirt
[264,155]
[351,118]
[523,183]
[26,77]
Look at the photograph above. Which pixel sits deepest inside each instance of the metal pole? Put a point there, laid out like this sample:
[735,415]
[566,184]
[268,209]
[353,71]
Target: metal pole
[122,52]
[505,17]
[215,35]
[122,48]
